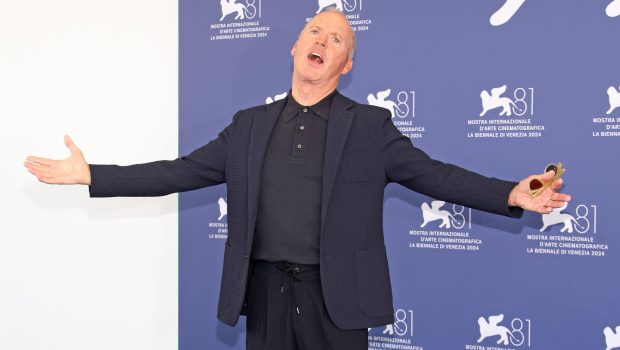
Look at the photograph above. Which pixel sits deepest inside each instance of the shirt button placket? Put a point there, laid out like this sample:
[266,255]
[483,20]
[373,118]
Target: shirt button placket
[299,143]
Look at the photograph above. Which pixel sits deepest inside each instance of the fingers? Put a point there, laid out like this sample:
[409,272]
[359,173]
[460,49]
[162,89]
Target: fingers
[45,173]
[38,160]
[553,199]
[555,204]
[545,210]
[71,145]
[544,176]
[560,197]
[40,171]
[557,184]
[30,169]
[547,176]
[37,168]
[68,141]
[556,200]
[557,196]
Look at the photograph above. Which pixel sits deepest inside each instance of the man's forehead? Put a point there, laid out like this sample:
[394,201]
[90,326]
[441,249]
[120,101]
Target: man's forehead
[325,19]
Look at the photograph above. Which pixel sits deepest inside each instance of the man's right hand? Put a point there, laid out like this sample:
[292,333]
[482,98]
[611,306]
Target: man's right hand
[71,171]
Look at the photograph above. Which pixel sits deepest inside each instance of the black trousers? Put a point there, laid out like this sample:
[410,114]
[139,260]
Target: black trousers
[286,311]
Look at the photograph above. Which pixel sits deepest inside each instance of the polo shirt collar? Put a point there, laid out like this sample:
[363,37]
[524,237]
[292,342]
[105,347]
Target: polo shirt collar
[292,107]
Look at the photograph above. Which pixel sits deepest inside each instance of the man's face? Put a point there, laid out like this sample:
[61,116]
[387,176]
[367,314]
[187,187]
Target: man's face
[321,54]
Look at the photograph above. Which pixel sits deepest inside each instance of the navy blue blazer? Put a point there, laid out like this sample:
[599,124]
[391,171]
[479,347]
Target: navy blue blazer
[364,152]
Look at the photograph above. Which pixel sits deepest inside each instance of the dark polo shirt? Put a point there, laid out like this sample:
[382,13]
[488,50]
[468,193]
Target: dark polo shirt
[289,209]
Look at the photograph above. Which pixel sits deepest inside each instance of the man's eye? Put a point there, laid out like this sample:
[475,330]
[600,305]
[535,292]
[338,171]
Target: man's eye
[336,40]
[314,31]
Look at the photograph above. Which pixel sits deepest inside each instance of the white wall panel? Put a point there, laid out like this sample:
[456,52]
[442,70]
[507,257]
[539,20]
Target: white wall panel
[80,273]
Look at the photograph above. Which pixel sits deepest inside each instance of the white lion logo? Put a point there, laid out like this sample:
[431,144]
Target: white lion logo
[389,329]
[380,101]
[557,217]
[612,340]
[223,208]
[432,213]
[276,98]
[349,6]
[230,6]
[494,100]
[505,13]
[613,9]
[614,99]
[491,328]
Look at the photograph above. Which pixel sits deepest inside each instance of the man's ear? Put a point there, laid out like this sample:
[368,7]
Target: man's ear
[347,67]
[293,49]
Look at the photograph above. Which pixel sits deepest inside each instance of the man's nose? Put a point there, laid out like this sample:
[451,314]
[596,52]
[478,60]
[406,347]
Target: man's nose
[321,40]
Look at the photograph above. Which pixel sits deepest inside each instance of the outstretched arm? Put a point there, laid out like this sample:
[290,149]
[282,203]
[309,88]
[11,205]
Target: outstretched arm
[414,169]
[205,166]
[70,171]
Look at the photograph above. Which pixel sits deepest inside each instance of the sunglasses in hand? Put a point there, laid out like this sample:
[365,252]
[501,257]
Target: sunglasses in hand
[537,186]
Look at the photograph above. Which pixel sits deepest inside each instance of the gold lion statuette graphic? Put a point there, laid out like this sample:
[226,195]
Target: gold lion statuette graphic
[537,186]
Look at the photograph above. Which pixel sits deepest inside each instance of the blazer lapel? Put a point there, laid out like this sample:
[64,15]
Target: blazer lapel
[338,126]
[262,126]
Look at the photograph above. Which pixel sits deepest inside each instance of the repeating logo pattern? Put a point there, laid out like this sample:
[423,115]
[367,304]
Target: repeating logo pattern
[497,108]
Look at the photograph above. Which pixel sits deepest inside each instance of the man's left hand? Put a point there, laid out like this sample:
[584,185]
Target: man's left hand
[544,202]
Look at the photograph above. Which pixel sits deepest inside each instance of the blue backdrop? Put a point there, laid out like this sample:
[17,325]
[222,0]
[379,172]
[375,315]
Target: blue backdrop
[489,85]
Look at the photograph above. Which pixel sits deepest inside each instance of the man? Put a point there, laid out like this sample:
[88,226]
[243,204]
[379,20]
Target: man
[305,258]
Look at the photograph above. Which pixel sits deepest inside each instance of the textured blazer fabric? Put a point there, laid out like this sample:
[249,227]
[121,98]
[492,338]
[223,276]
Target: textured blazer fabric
[364,152]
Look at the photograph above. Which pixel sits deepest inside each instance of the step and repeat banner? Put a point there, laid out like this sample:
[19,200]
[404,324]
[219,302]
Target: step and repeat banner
[500,87]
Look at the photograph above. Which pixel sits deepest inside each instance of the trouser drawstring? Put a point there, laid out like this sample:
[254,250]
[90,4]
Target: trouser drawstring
[290,271]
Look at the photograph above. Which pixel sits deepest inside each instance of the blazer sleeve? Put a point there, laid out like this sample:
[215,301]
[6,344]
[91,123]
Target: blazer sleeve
[414,169]
[205,166]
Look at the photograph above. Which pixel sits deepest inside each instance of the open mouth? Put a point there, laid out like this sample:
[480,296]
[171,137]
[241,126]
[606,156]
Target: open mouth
[315,57]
